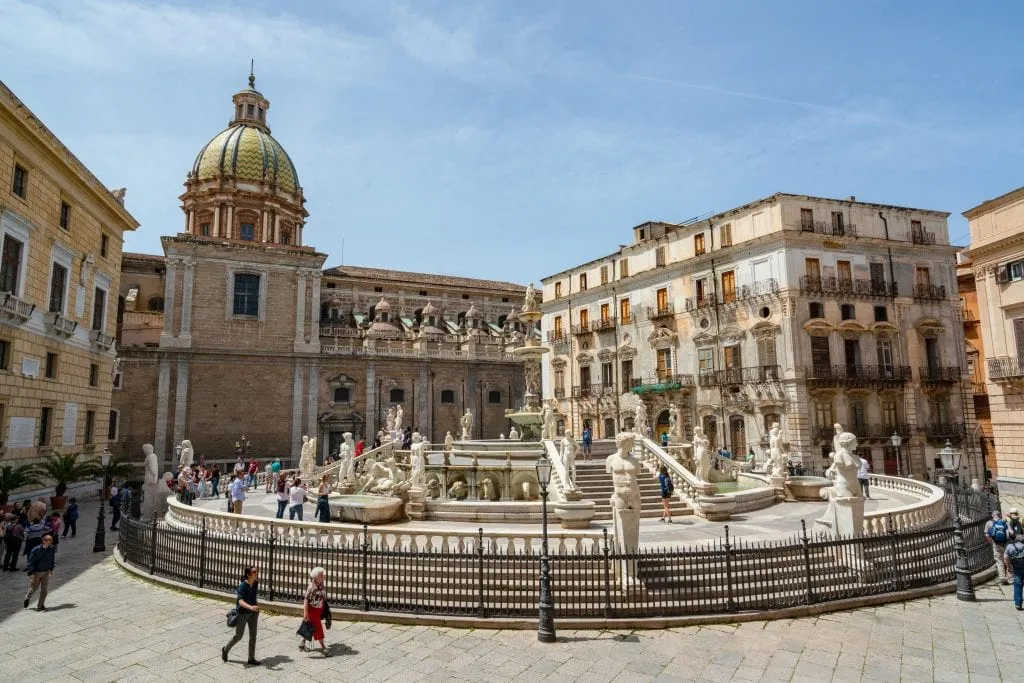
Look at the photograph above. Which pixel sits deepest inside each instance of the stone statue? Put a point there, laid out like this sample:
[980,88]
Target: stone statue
[673,422]
[307,457]
[385,478]
[399,418]
[418,458]
[835,438]
[776,461]
[433,489]
[467,425]
[389,426]
[844,515]
[845,465]
[570,449]
[513,434]
[625,499]
[549,428]
[154,489]
[346,455]
[530,299]
[459,490]
[186,455]
[701,455]
[640,420]
[152,465]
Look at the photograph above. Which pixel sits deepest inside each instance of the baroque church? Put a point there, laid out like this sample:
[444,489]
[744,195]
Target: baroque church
[237,329]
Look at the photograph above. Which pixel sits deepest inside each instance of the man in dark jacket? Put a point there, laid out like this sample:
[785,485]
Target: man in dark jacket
[41,562]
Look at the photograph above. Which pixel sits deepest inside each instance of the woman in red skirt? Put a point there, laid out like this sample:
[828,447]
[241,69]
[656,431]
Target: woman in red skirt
[313,608]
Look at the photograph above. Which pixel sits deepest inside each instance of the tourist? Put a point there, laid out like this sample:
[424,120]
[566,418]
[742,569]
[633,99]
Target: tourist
[1015,525]
[1014,563]
[315,609]
[667,488]
[41,562]
[34,534]
[275,473]
[664,439]
[227,491]
[71,518]
[14,536]
[863,474]
[407,439]
[115,507]
[282,496]
[360,447]
[296,497]
[588,439]
[237,490]
[254,467]
[997,532]
[248,614]
[266,478]
[323,510]
[53,526]
[239,466]
[215,481]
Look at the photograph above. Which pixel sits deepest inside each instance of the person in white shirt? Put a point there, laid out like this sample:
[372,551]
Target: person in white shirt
[296,497]
[862,476]
[237,491]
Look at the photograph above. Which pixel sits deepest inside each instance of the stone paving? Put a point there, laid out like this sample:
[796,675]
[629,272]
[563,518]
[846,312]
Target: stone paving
[104,625]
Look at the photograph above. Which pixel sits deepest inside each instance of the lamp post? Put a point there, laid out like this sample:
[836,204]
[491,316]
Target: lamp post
[964,584]
[546,606]
[99,544]
[897,441]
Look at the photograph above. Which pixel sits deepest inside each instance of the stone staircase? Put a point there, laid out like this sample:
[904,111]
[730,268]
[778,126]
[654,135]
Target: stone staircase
[596,485]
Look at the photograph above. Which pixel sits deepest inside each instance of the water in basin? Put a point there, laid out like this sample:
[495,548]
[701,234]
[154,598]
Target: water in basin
[734,486]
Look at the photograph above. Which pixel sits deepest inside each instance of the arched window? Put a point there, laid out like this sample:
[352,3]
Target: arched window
[447,396]
[342,395]
[494,397]
[155,303]
[397,395]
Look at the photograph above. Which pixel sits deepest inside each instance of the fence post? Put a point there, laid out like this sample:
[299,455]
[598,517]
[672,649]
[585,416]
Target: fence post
[271,544]
[891,528]
[480,609]
[152,547]
[202,553]
[730,603]
[807,561]
[366,563]
[607,578]
[964,585]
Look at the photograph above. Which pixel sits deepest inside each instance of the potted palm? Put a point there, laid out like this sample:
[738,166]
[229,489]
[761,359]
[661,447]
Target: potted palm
[14,477]
[117,467]
[64,469]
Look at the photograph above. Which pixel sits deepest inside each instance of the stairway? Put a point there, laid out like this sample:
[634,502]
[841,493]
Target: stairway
[596,485]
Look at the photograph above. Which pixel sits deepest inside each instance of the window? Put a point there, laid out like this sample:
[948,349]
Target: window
[51,366]
[20,184]
[821,354]
[45,419]
[494,397]
[664,361]
[606,312]
[1015,271]
[247,294]
[940,411]
[155,303]
[812,267]
[698,244]
[204,229]
[5,359]
[643,233]
[397,396]
[90,425]
[607,376]
[837,223]
[916,227]
[447,396]
[659,256]
[560,381]
[248,232]
[112,425]
[58,283]
[729,286]
[881,314]
[766,355]
[725,235]
[10,266]
[625,315]
[848,312]
[859,415]
[99,305]
[583,282]
[627,371]
[661,297]
[823,416]
[104,243]
[883,353]
[558,327]
[585,376]
[604,275]
[807,219]
[286,237]
[65,215]
[378,289]
[584,318]
[843,271]
[342,395]
[705,360]
[94,375]
[558,289]
[118,380]
[731,359]
[922,277]
[465,296]
[624,268]
[701,287]
[890,416]
[851,352]
[816,309]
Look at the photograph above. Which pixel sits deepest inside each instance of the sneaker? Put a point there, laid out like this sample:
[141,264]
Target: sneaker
[224,654]
[26,603]
[41,608]
[253,662]
[670,521]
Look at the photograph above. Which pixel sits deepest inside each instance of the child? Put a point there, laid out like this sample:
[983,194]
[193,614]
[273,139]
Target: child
[53,525]
[71,518]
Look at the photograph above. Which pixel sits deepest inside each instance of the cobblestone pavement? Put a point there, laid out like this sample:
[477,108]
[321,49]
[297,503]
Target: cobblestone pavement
[103,625]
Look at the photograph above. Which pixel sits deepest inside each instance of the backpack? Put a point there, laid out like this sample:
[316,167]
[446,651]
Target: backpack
[1016,554]
[999,531]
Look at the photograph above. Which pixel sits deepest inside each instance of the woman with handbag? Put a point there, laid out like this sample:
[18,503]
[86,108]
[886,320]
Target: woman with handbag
[313,608]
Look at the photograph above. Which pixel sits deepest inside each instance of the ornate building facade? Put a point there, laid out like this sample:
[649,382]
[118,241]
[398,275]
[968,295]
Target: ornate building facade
[60,239]
[238,329]
[802,310]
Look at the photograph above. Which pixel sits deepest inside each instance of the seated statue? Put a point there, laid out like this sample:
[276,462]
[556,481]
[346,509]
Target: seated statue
[459,490]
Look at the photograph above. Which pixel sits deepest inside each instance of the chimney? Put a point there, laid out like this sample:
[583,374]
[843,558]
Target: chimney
[853,197]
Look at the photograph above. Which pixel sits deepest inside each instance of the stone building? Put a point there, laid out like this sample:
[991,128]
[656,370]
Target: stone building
[61,232]
[797,309]
[997,257]
[974,350]
[238,330]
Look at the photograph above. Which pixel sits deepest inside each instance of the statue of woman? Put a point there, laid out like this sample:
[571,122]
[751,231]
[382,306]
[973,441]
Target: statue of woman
[530,299]
[701,457]
[624,468]
[307,457]
[467,425]
[399,418]
[570,448]
[845,466]
[152,466]
[640,420]
[775,463]
[389,426]
[673,421]
[418,458]
[550,417]
[186,455]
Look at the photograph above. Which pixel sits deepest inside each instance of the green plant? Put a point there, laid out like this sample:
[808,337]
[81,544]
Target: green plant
[64,469]
[14,477]
[117,468]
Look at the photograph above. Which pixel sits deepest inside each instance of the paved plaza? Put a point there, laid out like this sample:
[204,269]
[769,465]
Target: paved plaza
[103,625]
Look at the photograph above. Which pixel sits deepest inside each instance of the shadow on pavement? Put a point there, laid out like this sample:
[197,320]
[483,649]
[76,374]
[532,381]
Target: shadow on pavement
[63,605]
[275,661]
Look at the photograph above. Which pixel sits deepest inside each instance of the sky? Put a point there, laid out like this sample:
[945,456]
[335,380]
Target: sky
[513,139]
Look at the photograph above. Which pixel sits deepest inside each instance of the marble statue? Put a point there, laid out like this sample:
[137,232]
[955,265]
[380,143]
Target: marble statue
[835,437]
[501,437]
[570,449]
[385,478]
[346,454]
[152,465]
[776,461]
[467,425]
[701,454]
[186,455]
[673,422]
[418,459]
[640,420]
[459,490]
[530,299]
[625,499]
[844,515]
[389,425]
[153,487]
[845,464]
[513,434]
[433,489]
[549,413]
[399,418]
[307,457]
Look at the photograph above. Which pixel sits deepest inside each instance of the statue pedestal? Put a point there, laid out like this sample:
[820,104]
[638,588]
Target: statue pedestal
[153,499]
[346,488]
[576,514]
[417,505]
[715,508]
[849,517]
[626,527]
[778,482]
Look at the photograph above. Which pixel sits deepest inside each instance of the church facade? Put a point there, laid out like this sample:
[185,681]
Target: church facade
[238,330]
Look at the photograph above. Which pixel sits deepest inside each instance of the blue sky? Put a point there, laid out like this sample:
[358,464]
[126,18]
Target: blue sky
[513,139]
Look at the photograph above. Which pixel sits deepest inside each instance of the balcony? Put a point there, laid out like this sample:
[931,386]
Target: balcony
[61,326]
[824,433]
[581,329]
[738,376]
[945,431]
[856,375]
[1005,369]
[939,375]
[339,331]
[560,392]
[878,432]
[700,303]
[661,382]
[557,337]
[632,382]
[13,308]
[666,311]
[832,229]
[847,288]
[603,324]
[104,341]
[930,292]
[592,390]
[921,237]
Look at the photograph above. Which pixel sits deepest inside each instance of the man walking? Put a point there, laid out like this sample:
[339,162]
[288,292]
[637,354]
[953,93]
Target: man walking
[248,614]
[237,490]
[1014,561]
[863,476]
[588,439]
[41,562]
[997,532]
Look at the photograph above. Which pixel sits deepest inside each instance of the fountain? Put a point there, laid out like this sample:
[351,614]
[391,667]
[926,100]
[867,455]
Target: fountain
[530,416]
[365,509]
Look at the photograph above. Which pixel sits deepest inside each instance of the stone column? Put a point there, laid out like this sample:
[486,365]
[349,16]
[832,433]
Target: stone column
[297,396]
[186,301]
[229,224]
[216,221]
[277,229]
[265,228]
[300,310]
[425,401]
[170,283]
[180,400]
[314,313]
[163,390]
[312,404]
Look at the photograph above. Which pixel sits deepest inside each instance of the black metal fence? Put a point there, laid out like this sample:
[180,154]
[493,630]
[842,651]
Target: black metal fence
[728,575]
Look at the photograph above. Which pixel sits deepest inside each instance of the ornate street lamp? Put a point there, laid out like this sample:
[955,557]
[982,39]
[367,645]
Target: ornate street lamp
[897,441]
[99,543]
[546,607]
[964,586]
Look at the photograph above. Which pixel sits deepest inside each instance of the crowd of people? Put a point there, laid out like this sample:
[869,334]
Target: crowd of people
[1006,535]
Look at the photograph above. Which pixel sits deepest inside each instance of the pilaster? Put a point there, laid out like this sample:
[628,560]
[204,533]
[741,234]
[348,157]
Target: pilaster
[180,400]
[187,283]
[170,285]
[163,390]
[297,399]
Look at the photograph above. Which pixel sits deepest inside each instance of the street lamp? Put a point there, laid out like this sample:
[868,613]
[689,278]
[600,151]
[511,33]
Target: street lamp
[897,441]
[99,544]
[546,607]
[964,586]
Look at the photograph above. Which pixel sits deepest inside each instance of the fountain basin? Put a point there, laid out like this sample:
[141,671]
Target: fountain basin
[807,488]
[365,509]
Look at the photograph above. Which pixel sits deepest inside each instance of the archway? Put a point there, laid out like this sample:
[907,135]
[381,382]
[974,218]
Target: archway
[661,426]
[710,426]
[609,428]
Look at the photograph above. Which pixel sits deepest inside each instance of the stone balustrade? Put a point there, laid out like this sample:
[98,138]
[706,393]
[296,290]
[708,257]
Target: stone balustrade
[927,512]
[688,487]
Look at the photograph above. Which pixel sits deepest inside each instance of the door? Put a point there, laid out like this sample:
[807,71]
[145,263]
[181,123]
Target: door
[609,428]
[662,300]
[334,441]
[664,364]
[728,287]
[851,355]
[812,268]
[606,375]
[584,318]
[605,313]
[661,426]
[737,435]
[585,381]
[931,354]
[821,357]
[884,352]
[877,275]
[843,271]
[710,426]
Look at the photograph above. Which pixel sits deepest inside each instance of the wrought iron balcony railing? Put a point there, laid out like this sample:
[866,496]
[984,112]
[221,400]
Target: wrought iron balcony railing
[661,382]
[934,292]
[1005,369]
[952,431]
[556,336]
[878,432]
[833,229]
[845,287]
[922,237]
[603,324]
[583,328]
[835,375]
[938,374]
[699,303]
[666,311]
[559,392]
[734,376]
[100,339]
[13,308]
[592,390]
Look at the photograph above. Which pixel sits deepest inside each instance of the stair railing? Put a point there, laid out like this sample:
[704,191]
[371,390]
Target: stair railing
[687,486]
[559,475]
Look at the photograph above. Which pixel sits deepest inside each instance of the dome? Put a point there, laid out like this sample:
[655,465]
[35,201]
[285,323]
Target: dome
[246,152]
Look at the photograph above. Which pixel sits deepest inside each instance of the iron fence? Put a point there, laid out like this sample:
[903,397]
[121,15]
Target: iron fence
[478,578]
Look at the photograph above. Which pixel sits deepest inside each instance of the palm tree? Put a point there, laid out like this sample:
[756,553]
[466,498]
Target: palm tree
[65,469]
[117,468]
[14,477]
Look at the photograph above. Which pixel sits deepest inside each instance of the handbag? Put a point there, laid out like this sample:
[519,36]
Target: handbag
[305,630]
[232,617]
[327,615]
